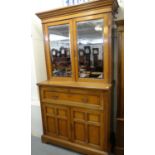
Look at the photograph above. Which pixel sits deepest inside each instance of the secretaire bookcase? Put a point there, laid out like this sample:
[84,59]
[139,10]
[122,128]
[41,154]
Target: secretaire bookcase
[76,97]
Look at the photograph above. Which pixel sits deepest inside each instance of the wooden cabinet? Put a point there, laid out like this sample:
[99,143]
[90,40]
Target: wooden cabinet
[76,98]
[75,116]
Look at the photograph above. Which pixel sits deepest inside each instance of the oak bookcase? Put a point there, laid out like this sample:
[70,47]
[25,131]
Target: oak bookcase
[76,97]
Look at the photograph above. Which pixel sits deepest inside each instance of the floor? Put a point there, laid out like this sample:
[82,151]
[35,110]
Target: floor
[38,148]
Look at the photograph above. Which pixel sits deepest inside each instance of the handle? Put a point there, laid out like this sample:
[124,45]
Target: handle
[55,97]
[85,100]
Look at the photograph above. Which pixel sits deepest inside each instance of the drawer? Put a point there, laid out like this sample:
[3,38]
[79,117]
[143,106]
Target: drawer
[87,97]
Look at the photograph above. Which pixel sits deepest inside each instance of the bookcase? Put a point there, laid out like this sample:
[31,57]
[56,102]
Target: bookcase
[76,97]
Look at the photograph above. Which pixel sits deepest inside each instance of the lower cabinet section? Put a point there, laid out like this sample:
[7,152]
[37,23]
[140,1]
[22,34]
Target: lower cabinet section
[77,125]
[78,119]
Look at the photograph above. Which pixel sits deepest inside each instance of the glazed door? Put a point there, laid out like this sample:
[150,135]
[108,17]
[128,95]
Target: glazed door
[57,121]
[59,50]
[91,45]
[87,127]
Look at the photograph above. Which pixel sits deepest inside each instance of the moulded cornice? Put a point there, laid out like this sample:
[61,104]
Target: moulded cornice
[96,4]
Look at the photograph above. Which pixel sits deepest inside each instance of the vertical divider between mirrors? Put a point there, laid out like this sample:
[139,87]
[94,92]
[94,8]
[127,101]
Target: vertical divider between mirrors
[72,49]
[75,49]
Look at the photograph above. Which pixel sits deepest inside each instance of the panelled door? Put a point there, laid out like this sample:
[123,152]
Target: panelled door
[79,125]
[57,123]
[87,127]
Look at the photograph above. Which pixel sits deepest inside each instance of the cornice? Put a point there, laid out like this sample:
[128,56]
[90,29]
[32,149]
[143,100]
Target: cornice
[79,8]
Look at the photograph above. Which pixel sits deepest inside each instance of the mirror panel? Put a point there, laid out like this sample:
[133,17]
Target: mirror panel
[90,42]
[59,40]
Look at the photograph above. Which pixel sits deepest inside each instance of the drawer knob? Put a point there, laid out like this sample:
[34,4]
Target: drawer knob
[85,100]
[55,97]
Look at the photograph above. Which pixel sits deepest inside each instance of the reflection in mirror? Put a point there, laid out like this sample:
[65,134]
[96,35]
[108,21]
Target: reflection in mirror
[59,40]
[90,48]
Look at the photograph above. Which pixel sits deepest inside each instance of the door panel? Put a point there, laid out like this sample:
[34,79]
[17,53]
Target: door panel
[79,126]
[57,121]
[87,127]
[94,135]
[50,111]
[79,115]
[51,125]
[63,128]
[63,122]
[93,117]
[50,120]
[62,112]
[79,132]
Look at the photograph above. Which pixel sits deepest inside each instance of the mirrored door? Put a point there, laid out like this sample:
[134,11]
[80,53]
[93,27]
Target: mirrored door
[90,48]
[60,50]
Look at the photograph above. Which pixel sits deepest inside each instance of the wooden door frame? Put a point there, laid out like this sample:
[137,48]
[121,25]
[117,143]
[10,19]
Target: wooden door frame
[47,51]
[106,50]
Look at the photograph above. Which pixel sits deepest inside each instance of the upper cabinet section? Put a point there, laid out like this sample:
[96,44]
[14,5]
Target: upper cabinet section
[78,41]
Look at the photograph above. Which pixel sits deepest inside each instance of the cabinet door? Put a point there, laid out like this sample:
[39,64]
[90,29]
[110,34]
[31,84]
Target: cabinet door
[91,43]
[57,122]
[59,50]
[87,127]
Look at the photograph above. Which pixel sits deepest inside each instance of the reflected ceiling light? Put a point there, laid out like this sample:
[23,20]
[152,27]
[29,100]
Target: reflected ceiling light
[98,28]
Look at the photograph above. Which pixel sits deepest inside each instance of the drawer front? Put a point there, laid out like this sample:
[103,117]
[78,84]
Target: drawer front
[71,95]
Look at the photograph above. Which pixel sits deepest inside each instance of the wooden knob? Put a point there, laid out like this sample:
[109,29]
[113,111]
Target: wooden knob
[85,100]
[55,97]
